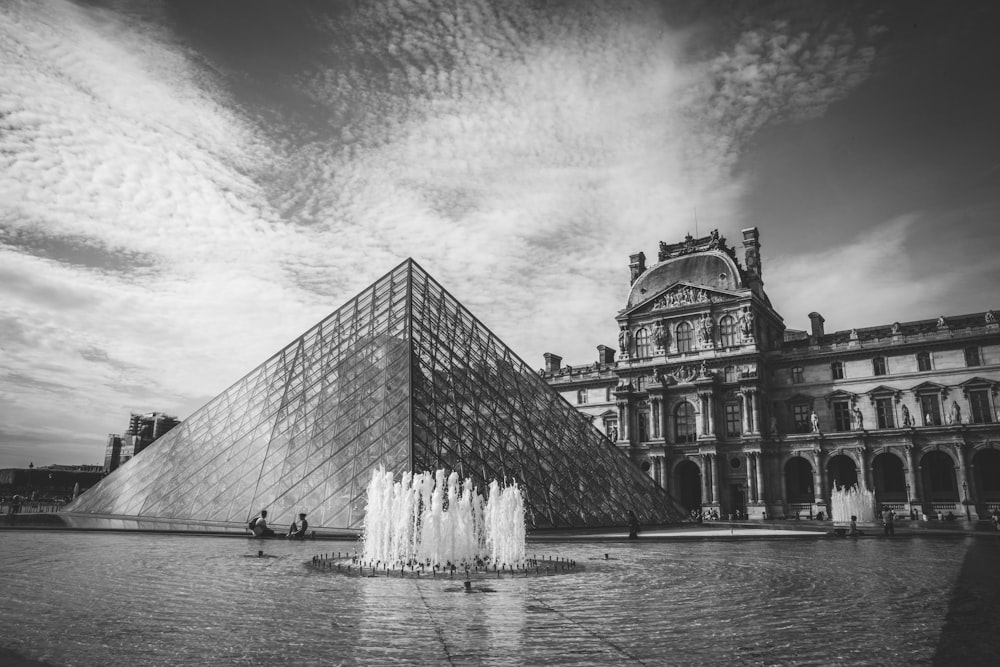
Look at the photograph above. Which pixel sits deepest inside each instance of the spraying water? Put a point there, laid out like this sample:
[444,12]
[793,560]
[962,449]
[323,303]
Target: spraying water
[426,518]
[847,502]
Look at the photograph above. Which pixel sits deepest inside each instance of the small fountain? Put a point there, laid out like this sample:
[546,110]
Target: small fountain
[847,502]
[429,521]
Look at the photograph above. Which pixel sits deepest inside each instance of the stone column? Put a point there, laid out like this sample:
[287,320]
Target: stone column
[654,416]
[911,477]
[819,493]
[700,421]
[755,403]
[664,474]
[623,430]
[750,494]
[705,480]
[715,478]
[760,476]
[745,412]
[711,414]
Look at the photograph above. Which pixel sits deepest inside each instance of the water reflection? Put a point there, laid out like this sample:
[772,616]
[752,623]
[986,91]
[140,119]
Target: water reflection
[108,599]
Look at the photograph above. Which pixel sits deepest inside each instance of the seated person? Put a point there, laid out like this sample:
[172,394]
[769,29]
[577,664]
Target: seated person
[298,532]
[259,526]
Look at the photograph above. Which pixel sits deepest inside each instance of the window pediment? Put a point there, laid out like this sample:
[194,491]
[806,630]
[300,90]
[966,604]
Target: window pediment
[840,395]
[883,391]
[930,388]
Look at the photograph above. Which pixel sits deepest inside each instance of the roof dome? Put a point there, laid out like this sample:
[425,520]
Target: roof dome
[710,268]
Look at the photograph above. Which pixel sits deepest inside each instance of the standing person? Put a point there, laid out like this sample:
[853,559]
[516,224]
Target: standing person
[888,527]
[854,526]
[298,532]
[259,526]
[633,526]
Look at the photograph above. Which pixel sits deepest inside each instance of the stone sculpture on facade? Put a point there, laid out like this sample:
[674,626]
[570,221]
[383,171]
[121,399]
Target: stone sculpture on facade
[660,335]
[814,422]
[955,416]
[907,420]
[705,330]
[746,323]
[859,419]
[624,340]
[991,317]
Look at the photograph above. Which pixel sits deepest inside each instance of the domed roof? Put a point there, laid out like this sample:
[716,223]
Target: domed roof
[710,268]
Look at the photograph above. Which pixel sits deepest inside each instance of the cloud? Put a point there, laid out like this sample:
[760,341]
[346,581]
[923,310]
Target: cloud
[869,280]
[170,215]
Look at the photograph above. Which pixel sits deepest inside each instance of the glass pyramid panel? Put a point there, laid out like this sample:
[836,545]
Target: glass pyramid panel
[402,376]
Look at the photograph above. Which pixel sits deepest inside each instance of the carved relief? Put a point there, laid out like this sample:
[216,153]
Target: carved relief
[684,296]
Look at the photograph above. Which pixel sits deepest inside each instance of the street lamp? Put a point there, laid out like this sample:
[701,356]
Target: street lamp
[965,490]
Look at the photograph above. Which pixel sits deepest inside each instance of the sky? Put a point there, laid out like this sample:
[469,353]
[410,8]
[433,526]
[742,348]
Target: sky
[186,187]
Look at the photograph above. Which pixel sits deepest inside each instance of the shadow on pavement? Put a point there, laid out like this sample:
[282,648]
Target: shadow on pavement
[969,635]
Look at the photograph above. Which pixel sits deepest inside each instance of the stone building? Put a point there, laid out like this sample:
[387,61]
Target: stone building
[731,412]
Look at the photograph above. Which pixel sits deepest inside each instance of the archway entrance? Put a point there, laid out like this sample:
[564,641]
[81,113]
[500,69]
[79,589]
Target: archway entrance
[938,476]
[688,476]
[841,471]
[986,477]
[889,478]
[799,481]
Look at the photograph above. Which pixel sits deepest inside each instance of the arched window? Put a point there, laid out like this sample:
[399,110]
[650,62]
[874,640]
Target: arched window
[642,343]
[727,331]
[837,370]
[685,424]
[685,337]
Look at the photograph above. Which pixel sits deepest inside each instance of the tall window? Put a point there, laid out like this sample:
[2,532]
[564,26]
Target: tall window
[685,337]
[923,361]
[884,414]
[642,421]
[729,373]
[797,374]
[611,429]
[800,415]
[642,343]
[878,366]
[841,415]
[837,370]
[581,396]
[972,356]
[684,419]
[930,408]
[727,331]
[979,405]
[734,420]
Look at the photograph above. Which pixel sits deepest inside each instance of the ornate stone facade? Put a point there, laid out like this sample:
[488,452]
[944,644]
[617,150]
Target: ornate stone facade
[732,412]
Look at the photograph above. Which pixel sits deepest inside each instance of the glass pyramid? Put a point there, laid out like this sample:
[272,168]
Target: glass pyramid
[402,376]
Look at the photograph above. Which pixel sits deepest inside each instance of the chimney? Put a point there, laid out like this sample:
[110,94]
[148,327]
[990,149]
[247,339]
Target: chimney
[636,266]
[817,325]
[605,354]
[751,256]
[553,362]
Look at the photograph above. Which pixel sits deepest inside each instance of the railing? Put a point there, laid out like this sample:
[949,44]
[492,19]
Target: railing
[32,507]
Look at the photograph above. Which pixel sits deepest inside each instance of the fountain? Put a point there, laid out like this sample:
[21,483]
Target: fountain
[847,502]
[424,519]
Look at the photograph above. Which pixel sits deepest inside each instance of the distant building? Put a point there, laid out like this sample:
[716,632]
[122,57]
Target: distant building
[143,430]
[730,411]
